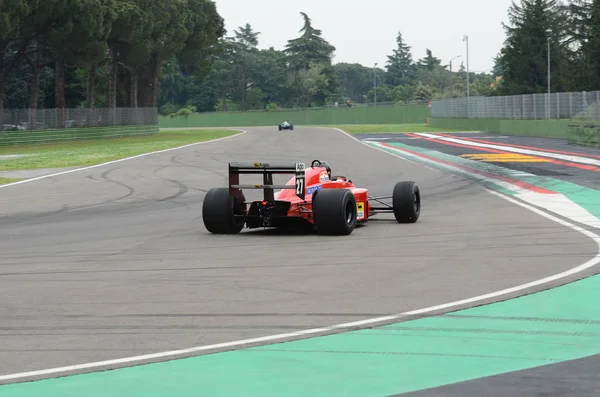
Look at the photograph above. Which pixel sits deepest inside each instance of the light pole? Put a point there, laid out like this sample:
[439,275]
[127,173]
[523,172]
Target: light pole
[452,78]
[466,39]
[548,33]
[375,85]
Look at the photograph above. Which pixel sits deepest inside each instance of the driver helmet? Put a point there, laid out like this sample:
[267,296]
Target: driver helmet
[323,176]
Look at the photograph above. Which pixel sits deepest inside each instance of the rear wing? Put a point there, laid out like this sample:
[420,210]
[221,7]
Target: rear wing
[267,170]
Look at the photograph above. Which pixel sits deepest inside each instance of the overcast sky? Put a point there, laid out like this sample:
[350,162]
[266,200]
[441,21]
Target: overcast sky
[365,31]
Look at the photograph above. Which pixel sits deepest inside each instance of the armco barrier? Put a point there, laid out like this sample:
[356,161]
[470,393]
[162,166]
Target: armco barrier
[542,128]
[26,137]
[587,134]
[404,114]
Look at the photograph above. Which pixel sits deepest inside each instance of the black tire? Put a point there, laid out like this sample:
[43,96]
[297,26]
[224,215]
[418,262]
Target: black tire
[292,127]
[218,209]
[406,201]
[279,127]
[334,212]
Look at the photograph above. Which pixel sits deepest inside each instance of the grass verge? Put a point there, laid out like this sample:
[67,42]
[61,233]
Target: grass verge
[383,128]
[91,152]
[4,181]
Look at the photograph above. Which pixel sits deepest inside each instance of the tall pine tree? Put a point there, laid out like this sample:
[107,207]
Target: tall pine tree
[400,67]
[524,57]
[309,48]
[429,62]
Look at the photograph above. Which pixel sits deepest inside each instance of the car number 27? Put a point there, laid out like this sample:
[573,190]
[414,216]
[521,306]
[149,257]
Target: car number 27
[300,185]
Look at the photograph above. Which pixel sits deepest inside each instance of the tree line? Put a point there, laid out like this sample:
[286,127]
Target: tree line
[109,53]
[176,55]
[566,31]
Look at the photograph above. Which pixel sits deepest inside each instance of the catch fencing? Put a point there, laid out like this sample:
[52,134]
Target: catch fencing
[559,105]
[37,126]
[57,119]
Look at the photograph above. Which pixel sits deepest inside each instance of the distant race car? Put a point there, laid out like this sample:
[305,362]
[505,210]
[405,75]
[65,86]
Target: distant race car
[314,198]
[286,126]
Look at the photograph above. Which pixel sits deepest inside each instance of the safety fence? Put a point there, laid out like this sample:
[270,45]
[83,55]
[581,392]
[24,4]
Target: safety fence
[56,119]
[559,105]
[37,137]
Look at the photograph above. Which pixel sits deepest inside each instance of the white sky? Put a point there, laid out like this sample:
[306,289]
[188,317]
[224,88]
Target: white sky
[365,31]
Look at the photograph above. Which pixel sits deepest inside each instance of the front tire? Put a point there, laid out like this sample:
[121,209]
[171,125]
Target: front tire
[334,212]
[406,201]
[218,210]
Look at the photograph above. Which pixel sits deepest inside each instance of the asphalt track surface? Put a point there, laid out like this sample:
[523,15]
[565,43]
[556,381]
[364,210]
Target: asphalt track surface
[574,378]
[114,261]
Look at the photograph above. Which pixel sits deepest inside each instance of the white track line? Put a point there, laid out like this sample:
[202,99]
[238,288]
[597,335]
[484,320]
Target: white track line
[242,132]
[370,322]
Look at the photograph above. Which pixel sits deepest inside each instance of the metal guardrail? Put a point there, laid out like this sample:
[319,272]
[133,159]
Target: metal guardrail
[57,119]
[560,105]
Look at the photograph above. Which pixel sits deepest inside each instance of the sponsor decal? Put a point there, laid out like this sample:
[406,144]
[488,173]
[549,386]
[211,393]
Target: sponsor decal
[360,210]
[313,189]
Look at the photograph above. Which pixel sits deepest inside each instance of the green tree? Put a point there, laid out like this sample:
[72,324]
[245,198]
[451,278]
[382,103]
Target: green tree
[523,58]
[355,80]
[429,62]
[131,26]
[400,68]
[270,75]
[244,43]
[79,38]
[589,56]
[308,82]
[309,48]
[423,92]
[28,21]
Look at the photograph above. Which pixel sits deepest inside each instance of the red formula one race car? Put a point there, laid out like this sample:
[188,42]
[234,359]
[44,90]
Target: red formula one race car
[332,205]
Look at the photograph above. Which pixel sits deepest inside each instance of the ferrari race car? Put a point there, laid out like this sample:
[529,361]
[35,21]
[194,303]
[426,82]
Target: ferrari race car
[332,205]
[286,126]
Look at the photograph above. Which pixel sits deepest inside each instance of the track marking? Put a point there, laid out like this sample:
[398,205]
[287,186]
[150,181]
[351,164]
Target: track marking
[504,158]
[371,322]
[572,158]
[521,146]
[37,178]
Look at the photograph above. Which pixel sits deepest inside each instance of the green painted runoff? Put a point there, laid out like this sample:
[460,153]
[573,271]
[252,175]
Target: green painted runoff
[547,327]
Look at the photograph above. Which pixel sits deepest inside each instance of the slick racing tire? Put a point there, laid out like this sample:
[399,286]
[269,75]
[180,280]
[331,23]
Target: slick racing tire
[279,127]
[291,127]
[218,210]
[406,201]
[334,212]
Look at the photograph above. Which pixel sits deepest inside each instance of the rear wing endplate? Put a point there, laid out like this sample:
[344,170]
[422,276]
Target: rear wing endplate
[267,170]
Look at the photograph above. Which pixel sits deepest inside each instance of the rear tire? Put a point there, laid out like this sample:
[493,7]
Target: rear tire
[406,201]
[218,210]
[334,212]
